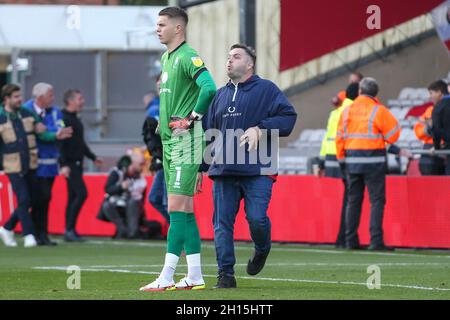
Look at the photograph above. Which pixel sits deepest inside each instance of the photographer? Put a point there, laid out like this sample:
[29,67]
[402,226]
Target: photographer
[125,189]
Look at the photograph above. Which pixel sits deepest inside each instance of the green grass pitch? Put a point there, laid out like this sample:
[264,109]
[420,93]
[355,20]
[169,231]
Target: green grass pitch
[116,269]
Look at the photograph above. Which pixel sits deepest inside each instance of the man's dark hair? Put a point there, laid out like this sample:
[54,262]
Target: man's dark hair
[69,95]
[369,86]
[439,85]
[249,50]
[8,90]
[175,12]
[352,91]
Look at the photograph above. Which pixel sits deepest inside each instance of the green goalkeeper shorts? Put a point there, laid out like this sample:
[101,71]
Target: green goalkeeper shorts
[182,157]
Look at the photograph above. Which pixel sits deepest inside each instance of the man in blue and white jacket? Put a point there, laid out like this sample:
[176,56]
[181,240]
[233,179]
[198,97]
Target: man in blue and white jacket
[43,105]
[245,118]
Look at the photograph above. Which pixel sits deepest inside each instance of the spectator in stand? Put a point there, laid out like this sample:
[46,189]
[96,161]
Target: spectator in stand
[429,164]
[441,118]
[354,77]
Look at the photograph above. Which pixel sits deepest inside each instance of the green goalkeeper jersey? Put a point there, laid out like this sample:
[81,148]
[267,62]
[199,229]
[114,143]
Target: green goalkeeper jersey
[179,91]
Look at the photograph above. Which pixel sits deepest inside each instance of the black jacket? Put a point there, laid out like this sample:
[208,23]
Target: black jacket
[75,148]
[153,142]
[113,185]
[441,123]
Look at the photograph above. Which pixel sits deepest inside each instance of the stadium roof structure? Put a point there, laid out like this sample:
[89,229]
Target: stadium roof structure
[60,27]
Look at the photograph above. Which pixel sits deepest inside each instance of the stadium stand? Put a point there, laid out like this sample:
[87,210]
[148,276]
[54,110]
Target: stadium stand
[409,97]
[411,102]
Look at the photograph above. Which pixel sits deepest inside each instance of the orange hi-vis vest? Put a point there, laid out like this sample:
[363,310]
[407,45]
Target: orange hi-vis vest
[364,128]
[420,128]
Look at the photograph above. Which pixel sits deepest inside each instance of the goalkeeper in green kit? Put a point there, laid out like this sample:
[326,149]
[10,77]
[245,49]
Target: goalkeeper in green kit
[187,89]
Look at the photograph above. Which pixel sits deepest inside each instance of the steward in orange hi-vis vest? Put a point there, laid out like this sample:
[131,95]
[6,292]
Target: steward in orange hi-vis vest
[364,129]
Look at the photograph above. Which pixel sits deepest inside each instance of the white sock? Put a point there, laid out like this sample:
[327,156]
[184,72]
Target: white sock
[194,267]
[170,264]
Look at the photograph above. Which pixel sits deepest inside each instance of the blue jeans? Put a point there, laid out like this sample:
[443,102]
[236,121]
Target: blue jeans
[24,186]
[228,192]
[158,194]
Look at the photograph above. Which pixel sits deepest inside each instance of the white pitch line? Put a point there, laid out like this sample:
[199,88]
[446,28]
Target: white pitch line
[324,251]
[164,245]
[416,287]
[300,264]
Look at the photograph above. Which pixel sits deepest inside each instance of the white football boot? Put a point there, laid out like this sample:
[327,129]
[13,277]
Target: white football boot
[160,284]
[188,284]
[29,241]
[7,237]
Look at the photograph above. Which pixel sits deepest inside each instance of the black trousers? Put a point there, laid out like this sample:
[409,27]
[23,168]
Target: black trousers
[376,185]
[447,166]
[341,234]
[39,210]
[24,187]
[77,194]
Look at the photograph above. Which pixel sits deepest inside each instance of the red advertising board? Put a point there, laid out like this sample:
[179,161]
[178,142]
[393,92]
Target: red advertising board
[302,209]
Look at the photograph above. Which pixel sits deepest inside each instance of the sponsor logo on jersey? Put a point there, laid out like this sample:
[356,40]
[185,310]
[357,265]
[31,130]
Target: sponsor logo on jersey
[197,61]
[164,90]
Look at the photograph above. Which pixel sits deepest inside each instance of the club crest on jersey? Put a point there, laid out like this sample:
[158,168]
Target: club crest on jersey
[197,61]
[164,77]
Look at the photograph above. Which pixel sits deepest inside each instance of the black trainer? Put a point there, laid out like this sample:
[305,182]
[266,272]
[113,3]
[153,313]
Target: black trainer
[225,281]
[45,241]
[71,236]
[339,245]
[256,263]
[355,247]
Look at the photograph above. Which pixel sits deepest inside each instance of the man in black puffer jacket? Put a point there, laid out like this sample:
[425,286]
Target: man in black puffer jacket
[158,193]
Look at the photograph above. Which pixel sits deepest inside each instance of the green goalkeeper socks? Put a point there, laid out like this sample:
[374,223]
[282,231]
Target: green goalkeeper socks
[192,239]
[176,232]
[183,233]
